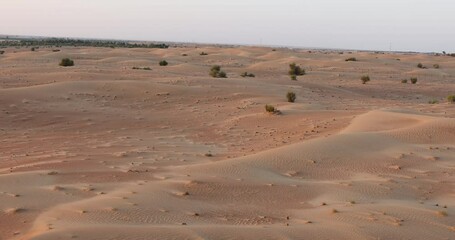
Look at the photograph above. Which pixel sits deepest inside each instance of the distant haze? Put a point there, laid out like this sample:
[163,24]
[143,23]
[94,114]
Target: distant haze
[402,25]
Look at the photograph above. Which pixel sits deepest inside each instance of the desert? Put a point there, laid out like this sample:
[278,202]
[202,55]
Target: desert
[123,146]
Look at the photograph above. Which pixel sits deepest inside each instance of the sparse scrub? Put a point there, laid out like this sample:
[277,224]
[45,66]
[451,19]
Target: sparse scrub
[433,101]
[2,52]
[436,66]
[290,96]
[365,79]
[420,65]
[271,109]
[246,74]
[295,70]
[142,68]
[203,54]
[163,63]
[451,99]
[216,72]
[404,81]
[66,62]
[352,59]
[413,80]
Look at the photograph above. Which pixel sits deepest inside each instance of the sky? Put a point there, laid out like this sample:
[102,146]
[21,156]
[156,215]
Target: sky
[398,25]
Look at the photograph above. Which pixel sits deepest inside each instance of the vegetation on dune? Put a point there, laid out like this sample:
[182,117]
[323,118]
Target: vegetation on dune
[352,59]
[451,99]
[295,70]
[365,79]
[163,63]
[404,81]
[68,42]
[290,96]
[66,62]
[203,54]
[420,65]
[216,72]
[142,68]
[436,66]
[413,80]
[246,74]
[270,108]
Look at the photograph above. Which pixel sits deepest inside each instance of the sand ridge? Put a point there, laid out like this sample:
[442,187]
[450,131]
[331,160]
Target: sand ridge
[104,151]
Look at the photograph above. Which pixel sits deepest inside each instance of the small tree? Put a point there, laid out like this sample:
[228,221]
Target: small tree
[291,97]
[66,62]
[270,108]
[163,63]
[365,79]
[414,80]
[216,72]
[295,70]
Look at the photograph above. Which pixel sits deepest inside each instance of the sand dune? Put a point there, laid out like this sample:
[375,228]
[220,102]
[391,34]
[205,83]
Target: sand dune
[103,151]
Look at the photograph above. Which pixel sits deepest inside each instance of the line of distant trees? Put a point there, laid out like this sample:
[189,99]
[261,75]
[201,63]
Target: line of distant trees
[68,42]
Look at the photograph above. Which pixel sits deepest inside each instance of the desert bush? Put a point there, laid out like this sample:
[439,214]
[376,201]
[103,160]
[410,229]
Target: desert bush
[365,79]
[56,50]
[142,68]
[32,49]
[290,96]
[246,74]
[216,72]
[203,54]
[184,55]
[433,101]
[436,66]
[270,108]
[295,70]
[404,81]
[66,62]
[293,77]
[163,63]
[420,65]
[414,80]
[2,52]
[451,99]
[352,59]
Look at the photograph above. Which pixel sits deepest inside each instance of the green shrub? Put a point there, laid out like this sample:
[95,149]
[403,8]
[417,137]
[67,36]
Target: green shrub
[365,79]
[451,99]
[291,97]
[142,68]
[293,77]
[352,59]
[436,66]
[433,101]
[295,70]
[163,63]
[216,72]
[203,54]
[66,62]
[413,80]
[270,108]
[246,74]
[420,65]
[222,74]
[404,81]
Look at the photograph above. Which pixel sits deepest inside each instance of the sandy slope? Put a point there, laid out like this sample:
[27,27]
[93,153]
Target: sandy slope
[101,151]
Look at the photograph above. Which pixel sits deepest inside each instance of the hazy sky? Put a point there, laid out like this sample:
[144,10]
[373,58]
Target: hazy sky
[416,25]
